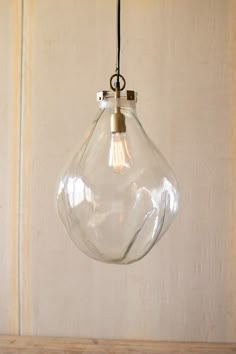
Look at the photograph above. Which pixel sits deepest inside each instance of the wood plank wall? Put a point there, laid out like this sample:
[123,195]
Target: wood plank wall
[54,56]
[10,82]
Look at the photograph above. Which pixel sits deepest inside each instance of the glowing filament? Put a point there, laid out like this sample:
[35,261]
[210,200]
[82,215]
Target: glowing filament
[119,157]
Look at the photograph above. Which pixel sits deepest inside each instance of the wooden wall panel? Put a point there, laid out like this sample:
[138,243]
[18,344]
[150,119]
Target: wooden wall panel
[176,55]
[231,308]
[10,62]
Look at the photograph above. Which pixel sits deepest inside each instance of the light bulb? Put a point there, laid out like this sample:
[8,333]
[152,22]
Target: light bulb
[118,195]
[119,157]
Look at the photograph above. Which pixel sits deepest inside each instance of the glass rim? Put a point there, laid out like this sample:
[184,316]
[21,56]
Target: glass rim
[130,95]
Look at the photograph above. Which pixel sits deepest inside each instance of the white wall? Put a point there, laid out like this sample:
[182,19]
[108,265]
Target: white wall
[179,56]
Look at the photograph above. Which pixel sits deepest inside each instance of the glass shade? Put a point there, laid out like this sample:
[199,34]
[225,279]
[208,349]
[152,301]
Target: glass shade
[118,195]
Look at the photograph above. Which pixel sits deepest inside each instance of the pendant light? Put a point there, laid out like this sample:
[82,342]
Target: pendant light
[119,195]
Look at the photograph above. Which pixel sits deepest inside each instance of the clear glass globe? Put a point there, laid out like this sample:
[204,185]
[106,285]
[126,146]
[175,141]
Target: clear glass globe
[118,195]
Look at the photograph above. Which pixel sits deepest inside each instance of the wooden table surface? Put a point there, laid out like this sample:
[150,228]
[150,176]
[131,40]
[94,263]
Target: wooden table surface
[46,345]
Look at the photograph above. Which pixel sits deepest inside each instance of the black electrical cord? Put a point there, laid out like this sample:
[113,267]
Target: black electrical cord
[118,46]
[116,85]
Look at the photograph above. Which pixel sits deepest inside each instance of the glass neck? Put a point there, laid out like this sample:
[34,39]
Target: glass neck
[122,102]
[121,99]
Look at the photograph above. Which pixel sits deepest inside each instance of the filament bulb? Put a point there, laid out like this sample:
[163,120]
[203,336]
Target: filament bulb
[119,156]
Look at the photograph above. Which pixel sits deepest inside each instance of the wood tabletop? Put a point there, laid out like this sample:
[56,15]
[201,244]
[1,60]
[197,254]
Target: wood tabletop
[46,345]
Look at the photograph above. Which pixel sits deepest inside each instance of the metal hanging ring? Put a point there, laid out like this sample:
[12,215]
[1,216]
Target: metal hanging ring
[112,85]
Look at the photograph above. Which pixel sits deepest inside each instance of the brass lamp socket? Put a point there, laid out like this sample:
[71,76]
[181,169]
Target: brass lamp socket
[118,122]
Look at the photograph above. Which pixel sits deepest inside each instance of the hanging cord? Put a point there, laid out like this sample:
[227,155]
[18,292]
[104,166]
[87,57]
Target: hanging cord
[116,86]
[118,47]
